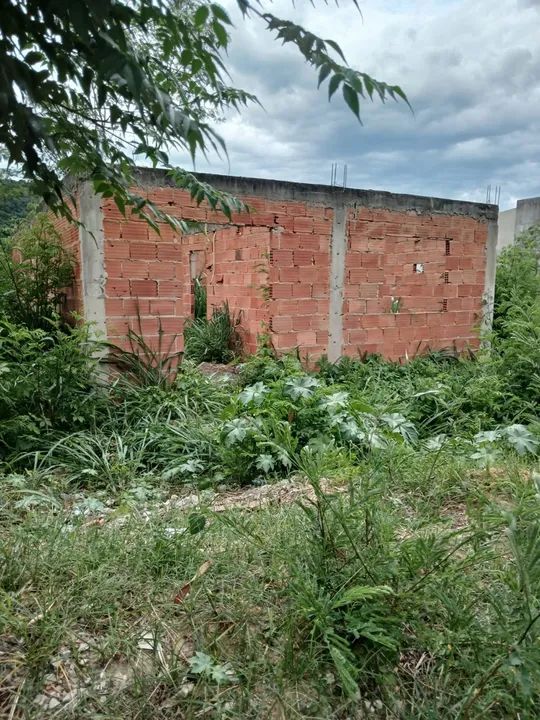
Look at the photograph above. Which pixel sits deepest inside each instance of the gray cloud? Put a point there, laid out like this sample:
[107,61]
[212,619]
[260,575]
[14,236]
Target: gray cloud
[472,74]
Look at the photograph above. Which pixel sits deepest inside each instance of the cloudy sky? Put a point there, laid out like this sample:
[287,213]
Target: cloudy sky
[471,69]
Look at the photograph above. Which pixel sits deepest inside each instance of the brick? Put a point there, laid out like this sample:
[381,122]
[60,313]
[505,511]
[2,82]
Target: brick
[285,341]
[307,337]
[390,334]
[282,257]
[117,288]
[302,322]
[162,307]
[403,319]
[136,306]
[162,271]
[289,274]
[118,249]
[319,290]
[135,230]
[410,333]
[368,290]
[302,290]
[319,322]
[282,323]
[419,319]
[117,326]
[303,224]
[170,288]
[375,306]
[114,268]
[171,325]
[356,306]
[282,290]
[322,227]
[314,243]
[114,307]
[142,251]
[169,251]
[364,214]
[284,222]
[303,258]
[296,208]
[134,269]
[310,274]
[357,335]
[370,321]
[144,288]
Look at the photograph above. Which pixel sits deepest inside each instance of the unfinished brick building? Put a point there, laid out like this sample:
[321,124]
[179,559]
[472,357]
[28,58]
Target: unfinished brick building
[329,270]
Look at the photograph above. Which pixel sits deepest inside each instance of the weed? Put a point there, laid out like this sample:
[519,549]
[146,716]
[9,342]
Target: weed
[213,340]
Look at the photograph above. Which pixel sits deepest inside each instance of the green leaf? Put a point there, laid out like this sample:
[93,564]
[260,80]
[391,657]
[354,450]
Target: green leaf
[265,463]
[196,523]
[200,663]
[201,15]
[34,57]
[351,98]
[324,73]
[521,439]
[220,33]
[360,593]
[346,671]
[334,83]
[253,394]
[221,14]
[301,387]
[336,47]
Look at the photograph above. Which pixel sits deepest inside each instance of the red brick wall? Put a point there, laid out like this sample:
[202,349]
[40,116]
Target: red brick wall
[299,279]
[148,284]
[273,265]
[437,308]
[238,274]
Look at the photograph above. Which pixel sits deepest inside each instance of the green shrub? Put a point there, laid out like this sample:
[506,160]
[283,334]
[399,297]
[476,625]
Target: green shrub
[213,340]
[518,277]
[35,271]
[519,350]
[47,382]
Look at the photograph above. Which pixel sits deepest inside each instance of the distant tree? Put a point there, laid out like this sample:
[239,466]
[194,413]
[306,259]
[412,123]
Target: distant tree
[16,200]
[90,87]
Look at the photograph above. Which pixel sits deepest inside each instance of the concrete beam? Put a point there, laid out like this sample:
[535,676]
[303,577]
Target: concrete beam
[326,195]
[92,244]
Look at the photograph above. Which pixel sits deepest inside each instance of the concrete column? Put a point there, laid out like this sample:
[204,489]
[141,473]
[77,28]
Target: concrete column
[488,297]
[338,250]
[527,214]
[92,244]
